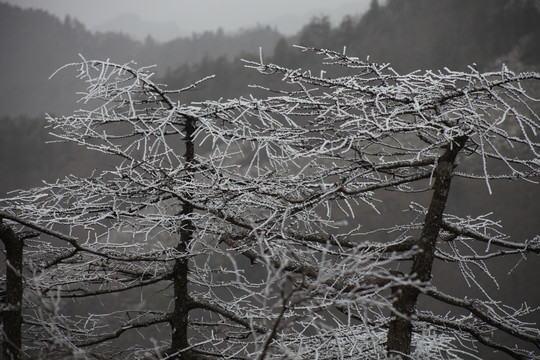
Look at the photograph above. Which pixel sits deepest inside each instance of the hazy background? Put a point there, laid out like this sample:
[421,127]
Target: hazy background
[167,19]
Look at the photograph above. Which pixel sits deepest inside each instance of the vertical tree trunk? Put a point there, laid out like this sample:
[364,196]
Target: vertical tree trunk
[179,321]
[12,316]
[400,329]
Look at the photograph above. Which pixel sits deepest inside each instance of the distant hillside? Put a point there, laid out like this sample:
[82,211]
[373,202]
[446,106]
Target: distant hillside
[38,43]
[409,34]
[132,24]
[427,34]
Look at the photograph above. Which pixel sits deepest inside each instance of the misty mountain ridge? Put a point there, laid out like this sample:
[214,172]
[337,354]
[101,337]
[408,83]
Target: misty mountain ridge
[411,35]
[288,23]
[134,26]
[39,43]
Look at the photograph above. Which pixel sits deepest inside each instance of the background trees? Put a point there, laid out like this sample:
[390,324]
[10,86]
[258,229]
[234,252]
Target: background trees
[266,227]
[419,35]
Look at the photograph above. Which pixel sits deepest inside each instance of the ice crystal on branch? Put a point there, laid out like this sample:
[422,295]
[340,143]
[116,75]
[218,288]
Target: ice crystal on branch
[268,225]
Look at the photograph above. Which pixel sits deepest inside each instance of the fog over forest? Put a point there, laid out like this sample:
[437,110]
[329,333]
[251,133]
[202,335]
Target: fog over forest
[411,35]
[176,18]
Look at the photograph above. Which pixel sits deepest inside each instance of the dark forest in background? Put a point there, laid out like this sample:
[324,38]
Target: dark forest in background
[411,35]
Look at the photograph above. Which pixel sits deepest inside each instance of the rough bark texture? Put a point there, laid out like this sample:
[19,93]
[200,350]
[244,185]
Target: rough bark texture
[400,329]
[179,322]
[12,317]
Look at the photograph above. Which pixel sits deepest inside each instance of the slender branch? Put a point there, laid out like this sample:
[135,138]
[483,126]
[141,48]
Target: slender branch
[206,305]
[533,246]
[473,307]
[475,333]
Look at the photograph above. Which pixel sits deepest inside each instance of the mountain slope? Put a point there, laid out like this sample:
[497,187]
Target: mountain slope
[39,43]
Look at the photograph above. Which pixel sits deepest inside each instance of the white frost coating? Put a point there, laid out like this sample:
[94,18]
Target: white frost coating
[293,183]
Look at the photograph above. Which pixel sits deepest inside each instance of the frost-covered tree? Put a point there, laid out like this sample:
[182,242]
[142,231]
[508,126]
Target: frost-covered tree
[260,228]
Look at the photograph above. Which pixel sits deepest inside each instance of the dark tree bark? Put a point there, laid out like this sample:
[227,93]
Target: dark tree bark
[12,316]
[179,321]
[400,329]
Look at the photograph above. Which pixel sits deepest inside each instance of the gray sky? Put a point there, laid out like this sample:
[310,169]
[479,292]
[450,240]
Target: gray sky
[187,16]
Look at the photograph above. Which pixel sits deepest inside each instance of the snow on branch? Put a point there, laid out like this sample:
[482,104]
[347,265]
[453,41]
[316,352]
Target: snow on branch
[280,227]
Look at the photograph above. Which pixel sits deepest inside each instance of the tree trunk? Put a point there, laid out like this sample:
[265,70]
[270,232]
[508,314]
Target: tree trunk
[179,321]
[12,316]
[400,329]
